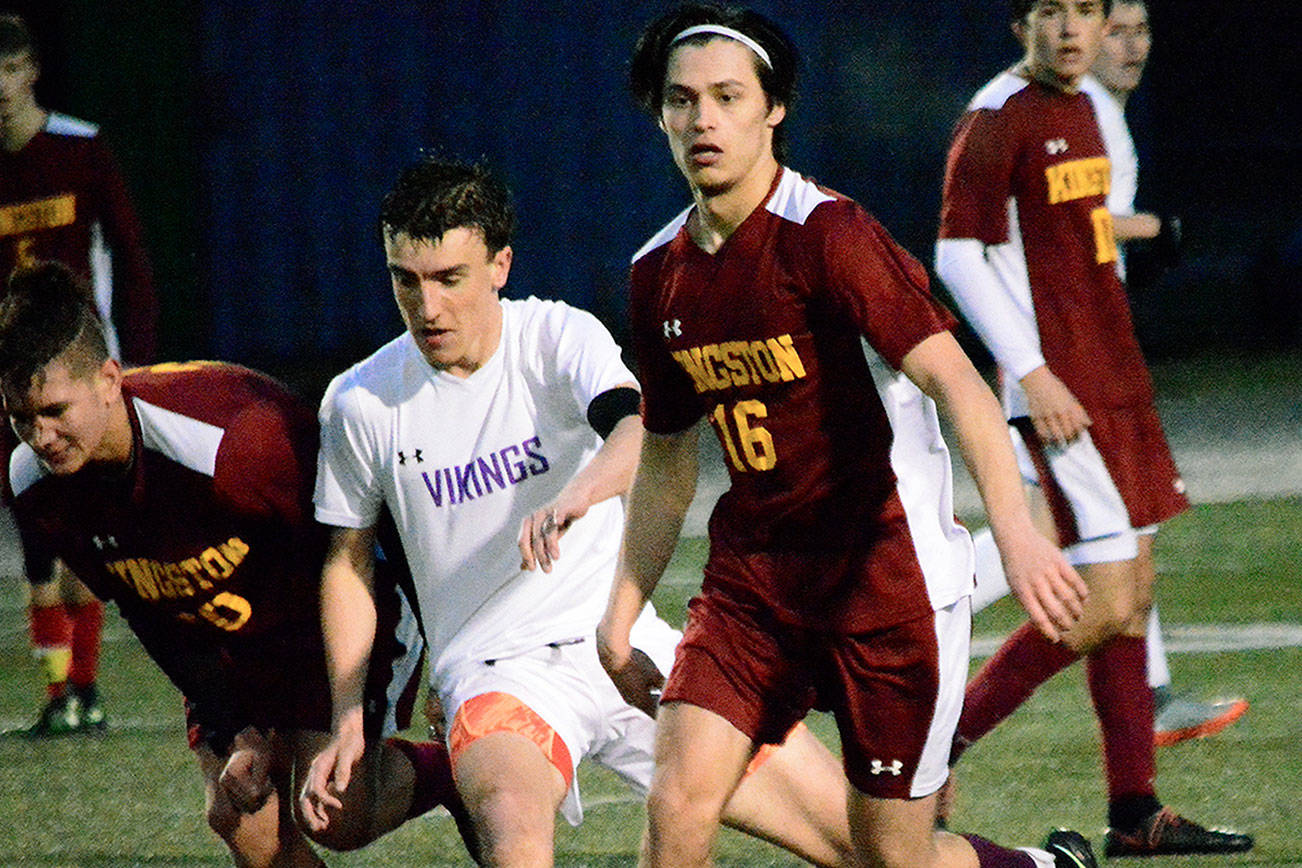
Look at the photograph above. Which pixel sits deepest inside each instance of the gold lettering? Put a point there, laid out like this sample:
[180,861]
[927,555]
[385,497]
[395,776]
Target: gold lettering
[788,359]
[48,213]
[690,361]
[763,361]
[1077,179]
[734,356]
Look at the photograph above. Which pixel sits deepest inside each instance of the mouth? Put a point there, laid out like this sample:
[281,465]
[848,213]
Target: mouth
[433,336]
[704,154]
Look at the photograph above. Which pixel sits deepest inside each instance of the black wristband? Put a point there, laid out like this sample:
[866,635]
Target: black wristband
[611,407]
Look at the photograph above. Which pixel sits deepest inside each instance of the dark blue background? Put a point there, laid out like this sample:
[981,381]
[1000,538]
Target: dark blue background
[260,137]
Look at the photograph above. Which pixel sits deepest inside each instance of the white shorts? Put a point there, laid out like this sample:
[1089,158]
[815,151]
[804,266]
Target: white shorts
[1101,516]
[566,686]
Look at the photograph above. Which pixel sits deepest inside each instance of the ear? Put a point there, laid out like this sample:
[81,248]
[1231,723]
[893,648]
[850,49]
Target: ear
[109,380]
[777,114]
[502,266]
[1019,31]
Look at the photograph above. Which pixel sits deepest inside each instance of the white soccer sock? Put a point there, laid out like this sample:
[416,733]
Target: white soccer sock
[1159,673]
[1043,859]
[991,583]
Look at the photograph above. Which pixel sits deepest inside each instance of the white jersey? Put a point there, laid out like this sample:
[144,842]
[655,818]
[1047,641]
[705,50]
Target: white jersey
[1118,143]
[460,462]
[1121,154]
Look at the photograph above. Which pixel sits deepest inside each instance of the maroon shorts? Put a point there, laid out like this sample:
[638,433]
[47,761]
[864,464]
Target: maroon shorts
[763,677]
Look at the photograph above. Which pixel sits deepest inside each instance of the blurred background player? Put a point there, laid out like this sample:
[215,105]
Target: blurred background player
[1114,76]
[182,492]
[491,428]
[1027,249]
[837,577]
[62,199]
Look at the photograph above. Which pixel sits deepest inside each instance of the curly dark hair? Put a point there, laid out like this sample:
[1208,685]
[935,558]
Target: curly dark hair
[435,195]
[47,314]
[646,74]
[1021,8]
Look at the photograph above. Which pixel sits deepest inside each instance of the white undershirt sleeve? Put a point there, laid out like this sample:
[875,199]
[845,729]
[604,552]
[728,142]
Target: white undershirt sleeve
[1002,317]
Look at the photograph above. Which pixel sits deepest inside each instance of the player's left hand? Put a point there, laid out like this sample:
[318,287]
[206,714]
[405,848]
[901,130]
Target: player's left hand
[1049,589]
[541,532]
[246,777]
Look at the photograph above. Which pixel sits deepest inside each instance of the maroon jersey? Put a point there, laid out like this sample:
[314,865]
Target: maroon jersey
[766,338]
[1035,152]
[62,199]
[206,541]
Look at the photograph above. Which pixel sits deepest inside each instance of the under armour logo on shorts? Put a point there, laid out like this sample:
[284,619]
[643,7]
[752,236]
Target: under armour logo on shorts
[878,767]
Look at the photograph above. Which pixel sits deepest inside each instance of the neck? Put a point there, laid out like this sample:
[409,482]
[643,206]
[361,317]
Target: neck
[718,215]
[116,447]
[1047,77]
[22,129]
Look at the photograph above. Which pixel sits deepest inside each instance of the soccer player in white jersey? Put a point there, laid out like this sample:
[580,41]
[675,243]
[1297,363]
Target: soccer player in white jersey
[500,434]
[1115,74]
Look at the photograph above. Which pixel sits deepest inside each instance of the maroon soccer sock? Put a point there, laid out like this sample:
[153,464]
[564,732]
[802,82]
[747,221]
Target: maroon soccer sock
[433,767]
[51,632]
[991,855]
[87,626]
[1124,705]
[1024,662]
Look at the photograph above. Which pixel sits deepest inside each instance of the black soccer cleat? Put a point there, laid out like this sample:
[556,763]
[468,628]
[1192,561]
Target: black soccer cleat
[1070,849]
[1166,833]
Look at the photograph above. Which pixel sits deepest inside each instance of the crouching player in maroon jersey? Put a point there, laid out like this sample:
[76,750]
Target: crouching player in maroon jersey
[183,493]
[837,577]
[1027,248]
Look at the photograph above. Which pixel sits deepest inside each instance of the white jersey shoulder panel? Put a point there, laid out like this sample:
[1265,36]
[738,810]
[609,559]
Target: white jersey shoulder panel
[185,440]
[66,125]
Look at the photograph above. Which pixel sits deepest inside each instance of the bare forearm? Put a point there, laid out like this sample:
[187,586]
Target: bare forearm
[611,470]
[662,491]
[1129,227]
[348,626]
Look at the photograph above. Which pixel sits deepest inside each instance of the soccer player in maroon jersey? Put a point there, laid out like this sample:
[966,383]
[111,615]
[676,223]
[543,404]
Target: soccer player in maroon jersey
[837,576]
[182,492]
[62,199]
[1028,250]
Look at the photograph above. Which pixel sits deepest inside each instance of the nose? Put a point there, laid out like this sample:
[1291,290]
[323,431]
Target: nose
[43,434]
[431,301]
[703,116]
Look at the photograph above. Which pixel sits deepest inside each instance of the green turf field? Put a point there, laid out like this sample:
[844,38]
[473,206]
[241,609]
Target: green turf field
[131,797]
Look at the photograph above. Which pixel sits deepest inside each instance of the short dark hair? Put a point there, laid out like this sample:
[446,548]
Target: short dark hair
[435,195]
[47,314]
[16,37]
[646,74]
[1021,8]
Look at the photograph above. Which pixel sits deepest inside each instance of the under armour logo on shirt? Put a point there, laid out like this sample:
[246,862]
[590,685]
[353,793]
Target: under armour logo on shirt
[402,457]
[1055,146]
[104,542]
[673,328]
[878,767]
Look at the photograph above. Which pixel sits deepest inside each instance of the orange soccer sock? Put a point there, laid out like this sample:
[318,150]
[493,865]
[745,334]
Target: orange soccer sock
[87,628]
[51,632]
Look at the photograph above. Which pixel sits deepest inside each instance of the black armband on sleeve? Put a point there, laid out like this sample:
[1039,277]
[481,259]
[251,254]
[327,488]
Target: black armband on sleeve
[611,407]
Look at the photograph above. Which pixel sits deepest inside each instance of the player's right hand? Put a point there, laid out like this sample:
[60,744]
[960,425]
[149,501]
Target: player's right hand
[330,772]
[1054,411]
[636,676]
[1049,589]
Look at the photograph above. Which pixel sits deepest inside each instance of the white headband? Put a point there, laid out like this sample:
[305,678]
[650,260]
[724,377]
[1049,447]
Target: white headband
[720,30]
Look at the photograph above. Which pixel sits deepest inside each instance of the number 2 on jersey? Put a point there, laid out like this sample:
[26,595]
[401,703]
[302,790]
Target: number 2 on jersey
[735,429]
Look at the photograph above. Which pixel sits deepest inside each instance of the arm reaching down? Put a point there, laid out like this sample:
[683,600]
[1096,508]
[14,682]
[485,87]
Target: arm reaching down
[1047,587]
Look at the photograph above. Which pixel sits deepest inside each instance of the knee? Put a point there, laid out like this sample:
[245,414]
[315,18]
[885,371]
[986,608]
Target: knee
[674,811]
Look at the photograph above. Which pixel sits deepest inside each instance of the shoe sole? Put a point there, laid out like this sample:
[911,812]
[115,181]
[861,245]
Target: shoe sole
[1166,738]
